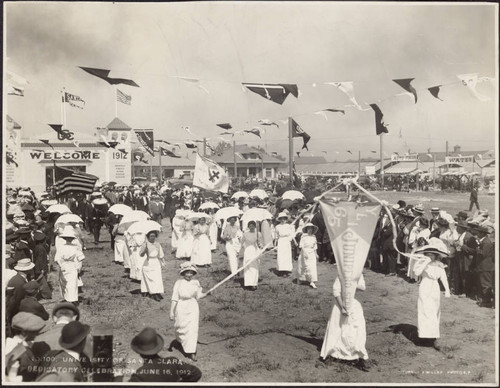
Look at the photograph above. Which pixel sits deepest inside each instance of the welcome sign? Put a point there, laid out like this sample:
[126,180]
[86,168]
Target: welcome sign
[350,227]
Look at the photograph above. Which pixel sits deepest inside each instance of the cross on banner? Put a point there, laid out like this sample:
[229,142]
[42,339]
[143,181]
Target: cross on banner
[213,175]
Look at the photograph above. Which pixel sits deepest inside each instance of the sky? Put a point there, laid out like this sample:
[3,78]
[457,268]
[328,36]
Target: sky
[224,44]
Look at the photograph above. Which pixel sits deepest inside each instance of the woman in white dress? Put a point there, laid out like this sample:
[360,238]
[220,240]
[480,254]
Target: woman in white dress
[69,258]
[285,234]
[345,336]
[202,253]
[429,294]
[121,249]
[252,242]
[177,227]
[185,241]
[232,235]
[308,256]
[214,229]
[152,281]
[185,311]
[134,243]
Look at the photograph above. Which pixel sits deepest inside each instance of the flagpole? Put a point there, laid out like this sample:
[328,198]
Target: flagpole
[359,163]
[64,109]
[234,159]
[116,102]
[205,147]
[382,161]
[161,172]
[290,150]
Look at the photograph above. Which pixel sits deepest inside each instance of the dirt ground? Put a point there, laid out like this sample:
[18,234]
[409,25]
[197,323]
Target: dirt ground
[275,333]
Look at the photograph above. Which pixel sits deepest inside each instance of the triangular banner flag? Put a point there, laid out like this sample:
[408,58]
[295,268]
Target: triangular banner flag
[146,138]
[224,125]
[104,74]
[379,124]
[255,131]
[435,91]
[406,85]
[274,92]
[297,131]
[348,89]
[470,80]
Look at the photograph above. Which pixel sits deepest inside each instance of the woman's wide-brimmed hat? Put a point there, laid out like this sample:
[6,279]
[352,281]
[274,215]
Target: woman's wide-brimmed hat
[310,225]
[24,265]
[148,342]
[188,267]
[435,245]
[282,215]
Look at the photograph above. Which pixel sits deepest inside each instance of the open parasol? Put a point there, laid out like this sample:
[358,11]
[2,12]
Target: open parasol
[120,209]
[58,208]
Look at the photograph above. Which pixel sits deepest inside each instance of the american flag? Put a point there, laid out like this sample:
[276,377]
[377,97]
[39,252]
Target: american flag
[123,98]
[71,181]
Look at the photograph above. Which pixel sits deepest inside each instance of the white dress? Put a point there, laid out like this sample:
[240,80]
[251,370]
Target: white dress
[177,228]
[187,313]
[429,297]
[285,234]
[232,235]
[307,268]
[251,242]
[345,336]
[201,253]
[152,280]
[134,243]
[213,235]
[185,241]
[69,258]
[121,249]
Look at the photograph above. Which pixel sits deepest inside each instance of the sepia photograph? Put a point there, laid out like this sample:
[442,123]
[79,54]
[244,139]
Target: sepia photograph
[236,193]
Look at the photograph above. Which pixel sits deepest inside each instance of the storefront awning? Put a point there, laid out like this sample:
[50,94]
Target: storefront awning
[400,169]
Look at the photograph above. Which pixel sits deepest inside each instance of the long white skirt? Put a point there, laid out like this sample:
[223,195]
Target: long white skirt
[232,255]
[174,240]
[201,254]
[345,336]
[251,273]
[133,257]
[284,254]
[152,280]
[185,245]
[429,308]
[307,268]
[186,324]
[68,281]
[121,251]
[213,236]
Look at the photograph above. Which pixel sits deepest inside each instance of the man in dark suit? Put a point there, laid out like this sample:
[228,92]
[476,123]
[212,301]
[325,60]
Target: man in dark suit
[484,265]
[474,196]
[156,369]
[69,360]
[129,197]
[30,304]
[22,248]
[24,268]
[389,254]
[463,256]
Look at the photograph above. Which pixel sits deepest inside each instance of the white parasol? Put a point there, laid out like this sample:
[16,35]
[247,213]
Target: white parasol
[120,209]
[292,195]
[209,205]
[58,208]
[259,193]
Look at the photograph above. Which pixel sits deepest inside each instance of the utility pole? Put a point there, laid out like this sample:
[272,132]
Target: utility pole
[290,150]
[381,161]
[359,163]
[234,160]
[205,146]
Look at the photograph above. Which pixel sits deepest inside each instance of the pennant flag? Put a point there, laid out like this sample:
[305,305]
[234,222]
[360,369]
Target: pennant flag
[15,90]
[348,89]
[209,175]
[336,110]
[146,138]
[435,91]
[373,152]
[350,226]
[406,85]
[321,113]
[274,92]
[110,144]
[138,156]
[123,151]
[104,74]
[196,81]
[56,127]
[348,152]
[224,126]
[46,142]
[298,154]
[74,101]
[297,131]
[17,79]
[165,152]
[255,131]
[267,122]
[190,144]
[379,124]
[123,98]
[470,80]
[72,181]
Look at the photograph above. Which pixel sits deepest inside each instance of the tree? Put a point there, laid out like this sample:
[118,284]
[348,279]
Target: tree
[221,147]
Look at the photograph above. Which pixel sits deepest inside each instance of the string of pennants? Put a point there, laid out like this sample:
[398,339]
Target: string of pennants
[276,93]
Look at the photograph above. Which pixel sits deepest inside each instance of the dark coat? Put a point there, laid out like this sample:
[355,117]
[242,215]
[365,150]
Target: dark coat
[40,259]
[30,305]
[63,362]
[17,282]
[169,369]
[22,251]
[484,259]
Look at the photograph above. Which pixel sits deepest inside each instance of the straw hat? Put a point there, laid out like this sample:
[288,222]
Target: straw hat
[187,266]
[309,225]
[435,245]
[282,215]
[418,209]
[24,265]
[147,342]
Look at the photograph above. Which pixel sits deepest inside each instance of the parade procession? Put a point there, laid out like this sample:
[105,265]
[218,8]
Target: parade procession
[317,231]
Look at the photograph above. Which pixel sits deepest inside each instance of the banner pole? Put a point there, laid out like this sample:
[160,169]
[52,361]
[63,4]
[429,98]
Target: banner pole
[290,150]
[381,162]
[234,159]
